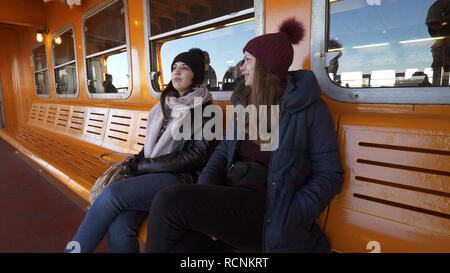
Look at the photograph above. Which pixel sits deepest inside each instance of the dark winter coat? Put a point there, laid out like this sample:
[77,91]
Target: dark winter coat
[305,171]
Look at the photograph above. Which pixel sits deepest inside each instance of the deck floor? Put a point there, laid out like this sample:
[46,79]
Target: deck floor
[38,214]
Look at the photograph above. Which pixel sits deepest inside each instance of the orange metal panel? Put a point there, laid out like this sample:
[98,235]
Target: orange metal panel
[50,120]
[118,130]
[9,53]
[397,174]
[22,12]
[94,129]
[139,132]
[62,118]
[77,121]
[352,231]
[278,10]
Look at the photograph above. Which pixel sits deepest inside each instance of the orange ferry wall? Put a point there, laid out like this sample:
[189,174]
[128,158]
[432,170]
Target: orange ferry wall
[278,10]
[16,72]
[418,121]
[22,12]
[8,70]
[19,89]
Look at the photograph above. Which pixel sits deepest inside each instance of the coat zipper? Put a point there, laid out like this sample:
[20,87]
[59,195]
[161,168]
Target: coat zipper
[267,205]
[236,148]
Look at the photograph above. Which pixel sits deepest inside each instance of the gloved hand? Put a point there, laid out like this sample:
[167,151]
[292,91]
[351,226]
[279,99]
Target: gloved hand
[130,167]
[137,165]
[141,154]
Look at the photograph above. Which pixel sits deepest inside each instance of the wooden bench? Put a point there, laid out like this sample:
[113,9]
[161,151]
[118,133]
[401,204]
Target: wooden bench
[397,181]
[67,140]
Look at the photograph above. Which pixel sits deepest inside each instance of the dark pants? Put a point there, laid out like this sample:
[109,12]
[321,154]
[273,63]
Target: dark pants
[183,218]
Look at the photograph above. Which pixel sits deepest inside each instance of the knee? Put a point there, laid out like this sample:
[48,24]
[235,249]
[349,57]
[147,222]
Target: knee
[122,233]
[121,227]
[169,199]
[109,194]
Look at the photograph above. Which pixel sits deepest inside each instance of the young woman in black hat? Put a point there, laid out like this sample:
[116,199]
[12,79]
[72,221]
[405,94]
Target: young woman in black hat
[163,161]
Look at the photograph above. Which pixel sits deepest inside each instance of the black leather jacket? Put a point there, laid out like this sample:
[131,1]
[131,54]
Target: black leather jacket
[186,159]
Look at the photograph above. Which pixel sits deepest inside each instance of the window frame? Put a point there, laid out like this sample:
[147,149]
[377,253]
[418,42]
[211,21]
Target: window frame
[54,35]
[320,59]
[258,10]
[89,13]
[34,69]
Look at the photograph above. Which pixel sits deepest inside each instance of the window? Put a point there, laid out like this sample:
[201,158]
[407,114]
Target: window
[64,63]
[394,51]
[41,77]
[219,28]
[224,57]
[106,50]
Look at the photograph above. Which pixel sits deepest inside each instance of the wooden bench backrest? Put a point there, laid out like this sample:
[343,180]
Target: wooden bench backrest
[115,129]
[397,184]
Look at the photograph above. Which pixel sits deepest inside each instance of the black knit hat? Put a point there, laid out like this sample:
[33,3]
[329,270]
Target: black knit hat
[195,59]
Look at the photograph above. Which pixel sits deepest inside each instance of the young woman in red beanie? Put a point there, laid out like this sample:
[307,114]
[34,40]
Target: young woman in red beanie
[254,200]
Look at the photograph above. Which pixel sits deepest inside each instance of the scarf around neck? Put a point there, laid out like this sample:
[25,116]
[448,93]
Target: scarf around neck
[179,109]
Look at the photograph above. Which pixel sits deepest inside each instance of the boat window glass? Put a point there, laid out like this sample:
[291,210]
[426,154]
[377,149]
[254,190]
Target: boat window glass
[168,15]
[41,77]
[106,49]
[389,43]
[222,49]
[220,32]
[65,72]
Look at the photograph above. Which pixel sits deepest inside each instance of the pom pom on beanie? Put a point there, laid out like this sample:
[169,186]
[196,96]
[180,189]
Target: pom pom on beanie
[294,29]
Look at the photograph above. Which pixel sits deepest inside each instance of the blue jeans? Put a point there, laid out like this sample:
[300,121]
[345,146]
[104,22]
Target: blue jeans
[118,210]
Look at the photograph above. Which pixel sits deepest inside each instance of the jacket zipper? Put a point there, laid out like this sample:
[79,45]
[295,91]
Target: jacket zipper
[236,148]
[267,205]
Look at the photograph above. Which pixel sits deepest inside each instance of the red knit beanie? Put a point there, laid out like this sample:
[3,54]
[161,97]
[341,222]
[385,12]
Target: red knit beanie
[274,50]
